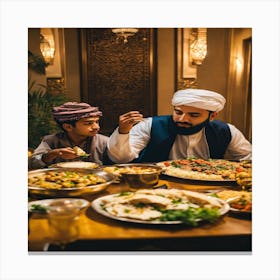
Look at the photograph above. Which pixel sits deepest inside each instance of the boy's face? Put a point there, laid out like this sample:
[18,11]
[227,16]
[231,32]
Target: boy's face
[85,127]
[188,116]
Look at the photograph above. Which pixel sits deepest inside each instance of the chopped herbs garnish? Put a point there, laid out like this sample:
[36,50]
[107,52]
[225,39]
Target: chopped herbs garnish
[38,208]
[174,164]
[191,216]
[176,201]
[124,193]
[140,205]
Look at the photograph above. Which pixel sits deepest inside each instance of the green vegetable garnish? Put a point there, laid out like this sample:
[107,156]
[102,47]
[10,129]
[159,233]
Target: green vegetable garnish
[140,205]
[38,208]
[174,164]
[176,201]
[124,193]
[84,155]
[191,216]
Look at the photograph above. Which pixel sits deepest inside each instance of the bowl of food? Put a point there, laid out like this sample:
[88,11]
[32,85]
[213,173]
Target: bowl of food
[67,182]
[240,201]
[139,175]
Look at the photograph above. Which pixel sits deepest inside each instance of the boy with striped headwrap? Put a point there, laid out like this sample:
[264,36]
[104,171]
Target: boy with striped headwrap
[80,125]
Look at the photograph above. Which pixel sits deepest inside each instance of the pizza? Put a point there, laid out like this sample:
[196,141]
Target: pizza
[208,170]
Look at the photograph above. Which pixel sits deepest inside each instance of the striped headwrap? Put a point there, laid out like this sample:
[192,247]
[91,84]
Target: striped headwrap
[73,111]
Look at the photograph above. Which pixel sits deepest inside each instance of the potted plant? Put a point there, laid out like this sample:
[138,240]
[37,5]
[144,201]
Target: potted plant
[40,104]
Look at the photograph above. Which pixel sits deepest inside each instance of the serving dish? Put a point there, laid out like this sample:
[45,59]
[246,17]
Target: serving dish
[240,202]
[212,170]
[137,175]
[76,164]
[148,206]
[36,189]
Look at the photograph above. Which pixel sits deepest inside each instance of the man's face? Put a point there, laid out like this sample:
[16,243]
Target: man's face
[86,127]
[188,116]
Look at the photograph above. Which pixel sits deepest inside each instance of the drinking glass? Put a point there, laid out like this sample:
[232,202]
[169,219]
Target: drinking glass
[63,218]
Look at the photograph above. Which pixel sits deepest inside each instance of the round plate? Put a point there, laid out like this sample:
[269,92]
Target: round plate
[240,214]
[44,203]
[177,172]
[198,179]
[76,164]
[97,205]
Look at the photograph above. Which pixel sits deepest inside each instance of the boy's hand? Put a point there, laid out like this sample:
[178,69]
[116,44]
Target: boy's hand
[65,153]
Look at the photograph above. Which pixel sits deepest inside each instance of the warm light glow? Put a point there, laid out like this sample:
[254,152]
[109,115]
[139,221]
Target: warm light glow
[124,33]
[238,62]
[198,48]
[46,50]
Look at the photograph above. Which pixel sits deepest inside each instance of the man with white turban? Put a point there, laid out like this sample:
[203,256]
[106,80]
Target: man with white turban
[190,132]
[80,125]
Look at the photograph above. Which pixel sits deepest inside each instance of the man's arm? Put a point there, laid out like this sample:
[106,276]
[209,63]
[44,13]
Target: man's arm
[125,147]
[239,147]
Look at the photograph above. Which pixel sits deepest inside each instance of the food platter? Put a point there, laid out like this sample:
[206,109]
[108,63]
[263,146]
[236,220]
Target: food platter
[35,188]
[76,164]
[240,202]
[148,206]
[40,206]
[203,170]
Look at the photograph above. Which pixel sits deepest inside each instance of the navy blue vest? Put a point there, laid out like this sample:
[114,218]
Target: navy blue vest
[163,136]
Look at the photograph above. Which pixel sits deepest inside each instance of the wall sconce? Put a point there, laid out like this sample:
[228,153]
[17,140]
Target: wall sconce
[47,50]
[124,33]
[198,46]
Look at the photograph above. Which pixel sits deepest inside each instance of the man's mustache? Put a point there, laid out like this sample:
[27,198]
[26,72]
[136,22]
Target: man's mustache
[187,123]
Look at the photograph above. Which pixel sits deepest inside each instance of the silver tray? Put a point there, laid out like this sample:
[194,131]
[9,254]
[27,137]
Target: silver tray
[68,192]
[165,172]
[198,179]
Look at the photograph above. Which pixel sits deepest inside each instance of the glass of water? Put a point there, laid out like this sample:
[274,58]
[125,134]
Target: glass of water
[63,217]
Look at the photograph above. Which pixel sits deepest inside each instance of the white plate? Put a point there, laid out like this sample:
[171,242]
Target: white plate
[81,203]
[76,164]
[97,206]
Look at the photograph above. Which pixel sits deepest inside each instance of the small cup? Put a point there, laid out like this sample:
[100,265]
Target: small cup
[63,218]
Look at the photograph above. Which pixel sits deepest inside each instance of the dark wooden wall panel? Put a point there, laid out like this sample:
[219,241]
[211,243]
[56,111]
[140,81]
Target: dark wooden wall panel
[118,77]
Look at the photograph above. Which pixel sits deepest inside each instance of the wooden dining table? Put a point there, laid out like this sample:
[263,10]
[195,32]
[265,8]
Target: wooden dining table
[97,233]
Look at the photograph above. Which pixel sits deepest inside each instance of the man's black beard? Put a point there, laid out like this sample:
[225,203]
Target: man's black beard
[191,130]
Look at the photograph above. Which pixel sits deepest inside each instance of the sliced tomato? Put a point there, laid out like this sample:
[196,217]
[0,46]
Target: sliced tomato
[239,169]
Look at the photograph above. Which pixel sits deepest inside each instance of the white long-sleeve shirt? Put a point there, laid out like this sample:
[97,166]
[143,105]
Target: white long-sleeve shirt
[123,148]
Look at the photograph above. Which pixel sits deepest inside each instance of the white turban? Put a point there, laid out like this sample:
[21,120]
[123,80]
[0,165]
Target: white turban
[199,98]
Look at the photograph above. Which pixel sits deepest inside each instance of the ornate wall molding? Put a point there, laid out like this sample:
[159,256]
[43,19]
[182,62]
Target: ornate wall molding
[118,77]
[186,74]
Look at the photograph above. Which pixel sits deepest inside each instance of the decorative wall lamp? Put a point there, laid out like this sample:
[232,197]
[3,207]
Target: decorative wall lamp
[124,33]
[198,46]
[47,50]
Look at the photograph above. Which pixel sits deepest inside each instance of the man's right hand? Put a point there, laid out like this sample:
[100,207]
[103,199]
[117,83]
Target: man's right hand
[128,120]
